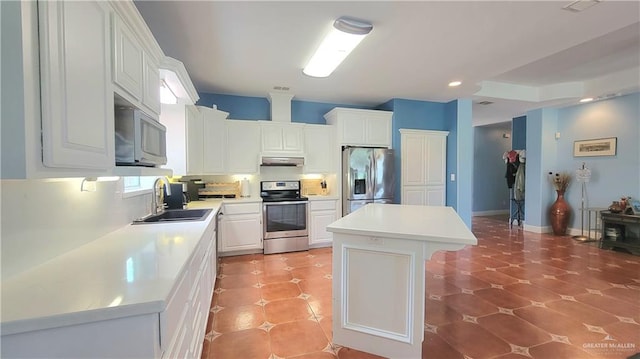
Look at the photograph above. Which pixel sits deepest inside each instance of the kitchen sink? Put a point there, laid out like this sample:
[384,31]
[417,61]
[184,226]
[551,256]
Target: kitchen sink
[175,215]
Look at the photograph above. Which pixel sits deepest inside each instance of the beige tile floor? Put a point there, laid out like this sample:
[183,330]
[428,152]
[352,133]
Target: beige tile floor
[514,295]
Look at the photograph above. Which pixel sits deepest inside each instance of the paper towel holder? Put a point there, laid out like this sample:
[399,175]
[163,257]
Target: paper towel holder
[245,189]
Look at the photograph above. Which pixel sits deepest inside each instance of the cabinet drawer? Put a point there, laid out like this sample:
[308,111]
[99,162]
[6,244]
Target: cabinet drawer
[329,205]
[241,208]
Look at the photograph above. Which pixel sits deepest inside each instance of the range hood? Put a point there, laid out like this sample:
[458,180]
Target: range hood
[282,161]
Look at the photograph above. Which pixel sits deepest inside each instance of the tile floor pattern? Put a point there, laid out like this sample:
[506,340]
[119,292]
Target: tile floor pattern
[514,295]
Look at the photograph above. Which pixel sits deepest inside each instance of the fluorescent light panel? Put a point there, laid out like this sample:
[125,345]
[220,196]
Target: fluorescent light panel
[345,35]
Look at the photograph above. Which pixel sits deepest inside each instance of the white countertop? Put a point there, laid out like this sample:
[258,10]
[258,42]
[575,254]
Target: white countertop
[321,197]
[421,223]
[130,271]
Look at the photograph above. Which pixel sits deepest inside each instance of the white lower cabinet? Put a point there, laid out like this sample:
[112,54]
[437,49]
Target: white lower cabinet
[175,332]
[183,322]
[240,228]
[321,214]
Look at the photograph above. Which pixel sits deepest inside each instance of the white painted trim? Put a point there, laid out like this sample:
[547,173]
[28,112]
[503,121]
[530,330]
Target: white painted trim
[536,229]
[422,132]
[177,67]
[131,16]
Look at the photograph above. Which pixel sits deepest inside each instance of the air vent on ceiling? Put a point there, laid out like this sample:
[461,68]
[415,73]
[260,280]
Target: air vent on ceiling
[580,5]
[281,88]
[484,103]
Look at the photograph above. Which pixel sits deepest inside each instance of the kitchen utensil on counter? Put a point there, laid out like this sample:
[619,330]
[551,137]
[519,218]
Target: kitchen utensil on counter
[245,188]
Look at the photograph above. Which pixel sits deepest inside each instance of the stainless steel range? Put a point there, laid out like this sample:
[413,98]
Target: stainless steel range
[285,217]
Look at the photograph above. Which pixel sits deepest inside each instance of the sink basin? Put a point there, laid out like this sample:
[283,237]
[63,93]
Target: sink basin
[175,215]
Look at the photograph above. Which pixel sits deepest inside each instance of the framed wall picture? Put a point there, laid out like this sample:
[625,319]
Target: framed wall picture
[597,147]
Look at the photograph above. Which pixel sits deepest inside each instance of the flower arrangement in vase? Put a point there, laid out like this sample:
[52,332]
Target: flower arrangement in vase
[560,212]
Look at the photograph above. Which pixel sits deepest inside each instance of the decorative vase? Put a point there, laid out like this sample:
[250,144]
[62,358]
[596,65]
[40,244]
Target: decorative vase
[559,214]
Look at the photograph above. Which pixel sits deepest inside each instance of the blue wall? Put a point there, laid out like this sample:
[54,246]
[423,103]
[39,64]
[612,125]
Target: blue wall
[519,133]
[490,191]
[612,176]
[411,114]
[458,118]
[259,108]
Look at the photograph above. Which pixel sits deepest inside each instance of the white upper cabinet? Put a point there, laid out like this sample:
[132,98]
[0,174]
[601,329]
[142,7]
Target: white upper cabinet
[76,94]
[319,148]
[135,72]
[205,140]
[242,146]
[357,127]
[151,85]
[127,59]
[282,138]
[195,140]
[213,142]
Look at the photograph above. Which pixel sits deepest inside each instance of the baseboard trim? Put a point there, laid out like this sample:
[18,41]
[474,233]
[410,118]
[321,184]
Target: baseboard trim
[491,213]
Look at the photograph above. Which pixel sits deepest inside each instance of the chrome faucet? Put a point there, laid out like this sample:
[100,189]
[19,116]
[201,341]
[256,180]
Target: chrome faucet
[157,200]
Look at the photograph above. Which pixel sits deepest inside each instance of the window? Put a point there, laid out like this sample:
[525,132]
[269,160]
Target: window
[137,186]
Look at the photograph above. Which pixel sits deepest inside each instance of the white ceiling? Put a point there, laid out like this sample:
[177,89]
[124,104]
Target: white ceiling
[520,55]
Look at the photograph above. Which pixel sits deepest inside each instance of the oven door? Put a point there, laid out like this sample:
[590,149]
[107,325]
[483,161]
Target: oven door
[285,219]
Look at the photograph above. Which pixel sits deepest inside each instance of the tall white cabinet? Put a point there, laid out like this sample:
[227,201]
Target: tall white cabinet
[424,167]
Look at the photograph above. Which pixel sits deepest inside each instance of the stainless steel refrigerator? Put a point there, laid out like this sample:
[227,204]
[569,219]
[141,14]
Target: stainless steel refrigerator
[368,177]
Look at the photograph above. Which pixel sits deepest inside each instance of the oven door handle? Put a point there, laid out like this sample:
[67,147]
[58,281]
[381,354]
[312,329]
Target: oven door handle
[284,203]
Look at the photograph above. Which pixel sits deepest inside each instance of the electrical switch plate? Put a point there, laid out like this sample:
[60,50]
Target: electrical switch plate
[453,177]
[557,135]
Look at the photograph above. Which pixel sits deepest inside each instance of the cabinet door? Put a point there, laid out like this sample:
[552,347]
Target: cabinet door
[271,138]
[319,148]
[292,138]
[319,221]
[240,232]
[76,95]
[414,195]
[414,171]
[243,146]
[151,96]
[213,142]
[378,132]
[354,130]
[195,138]
[436,155]
[127,59]
[435,196]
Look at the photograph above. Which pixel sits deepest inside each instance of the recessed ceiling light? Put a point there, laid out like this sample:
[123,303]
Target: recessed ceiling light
[587,99]
[455,83]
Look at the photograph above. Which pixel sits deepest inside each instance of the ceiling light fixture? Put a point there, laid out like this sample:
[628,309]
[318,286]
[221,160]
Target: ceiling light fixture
[345,35]
[455,83]
[586,99]
[580,5]
[166,94]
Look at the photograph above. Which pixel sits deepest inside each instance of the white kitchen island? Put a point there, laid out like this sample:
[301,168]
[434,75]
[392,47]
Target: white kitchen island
[379,254]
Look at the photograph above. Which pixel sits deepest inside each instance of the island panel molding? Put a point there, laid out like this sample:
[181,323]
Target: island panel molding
[363,275]
[379,254]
